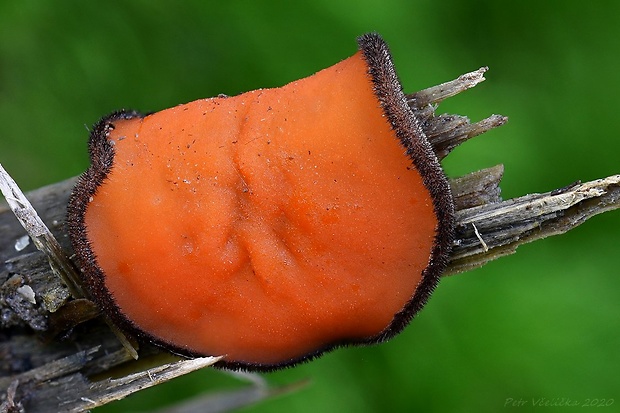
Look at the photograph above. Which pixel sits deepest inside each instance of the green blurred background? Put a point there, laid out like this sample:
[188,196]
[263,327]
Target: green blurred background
[541,323]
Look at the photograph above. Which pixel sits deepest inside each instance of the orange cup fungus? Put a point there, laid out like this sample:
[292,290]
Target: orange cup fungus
[267,227]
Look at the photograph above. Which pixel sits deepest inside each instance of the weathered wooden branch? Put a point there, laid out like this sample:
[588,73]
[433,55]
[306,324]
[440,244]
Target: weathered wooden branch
[490,231]
[52,345]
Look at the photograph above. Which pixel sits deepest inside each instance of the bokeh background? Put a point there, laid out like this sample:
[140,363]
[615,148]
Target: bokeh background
[543,323]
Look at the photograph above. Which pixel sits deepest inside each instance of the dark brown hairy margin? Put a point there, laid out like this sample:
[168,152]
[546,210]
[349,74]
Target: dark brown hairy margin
[101,153]
[388,89]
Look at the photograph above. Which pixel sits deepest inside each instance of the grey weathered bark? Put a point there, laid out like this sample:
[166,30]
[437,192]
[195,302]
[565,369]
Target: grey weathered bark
[52,345]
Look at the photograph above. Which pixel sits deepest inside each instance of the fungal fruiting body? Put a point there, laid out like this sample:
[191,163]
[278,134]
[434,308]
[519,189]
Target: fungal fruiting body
[271,226]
